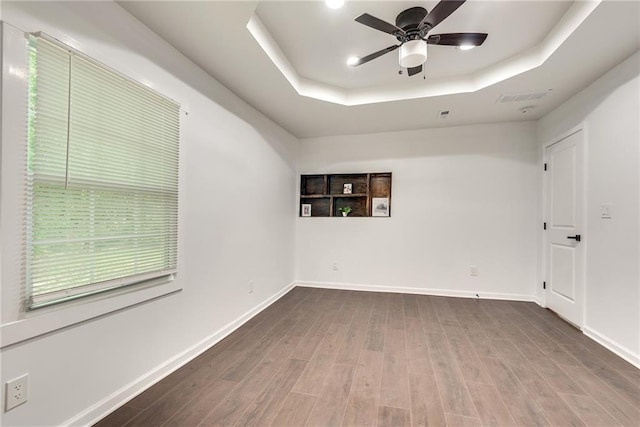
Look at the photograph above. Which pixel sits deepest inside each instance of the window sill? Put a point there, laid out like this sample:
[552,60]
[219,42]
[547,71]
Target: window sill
[47,320]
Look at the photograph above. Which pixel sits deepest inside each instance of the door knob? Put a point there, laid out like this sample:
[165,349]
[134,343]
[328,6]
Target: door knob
[576,237]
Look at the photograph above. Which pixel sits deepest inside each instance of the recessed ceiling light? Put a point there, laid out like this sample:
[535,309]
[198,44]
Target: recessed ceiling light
[334,4]
[466,47]
[352,60]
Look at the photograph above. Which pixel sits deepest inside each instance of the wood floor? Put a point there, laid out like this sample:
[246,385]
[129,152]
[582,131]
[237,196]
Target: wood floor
[326,357]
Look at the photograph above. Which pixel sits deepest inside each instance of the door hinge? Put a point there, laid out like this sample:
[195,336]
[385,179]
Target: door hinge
[544,225]
[544,285]
[545,166]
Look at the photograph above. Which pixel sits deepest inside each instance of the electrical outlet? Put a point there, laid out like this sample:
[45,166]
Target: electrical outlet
[16,392]
[250,286]
[473,270]
[334,266]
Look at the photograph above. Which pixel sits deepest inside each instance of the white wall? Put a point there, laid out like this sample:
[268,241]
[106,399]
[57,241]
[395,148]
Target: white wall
[237,224]
[461,196]
[609,109]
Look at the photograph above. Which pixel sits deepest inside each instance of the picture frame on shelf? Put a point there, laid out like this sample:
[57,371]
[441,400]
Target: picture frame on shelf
[347,189]
[306,209]
[379,206]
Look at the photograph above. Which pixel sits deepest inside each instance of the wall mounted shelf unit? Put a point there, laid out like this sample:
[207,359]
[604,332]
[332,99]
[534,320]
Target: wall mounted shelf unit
[326,194]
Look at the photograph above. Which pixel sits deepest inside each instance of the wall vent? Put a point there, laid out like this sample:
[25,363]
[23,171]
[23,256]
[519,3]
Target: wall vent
[523,96]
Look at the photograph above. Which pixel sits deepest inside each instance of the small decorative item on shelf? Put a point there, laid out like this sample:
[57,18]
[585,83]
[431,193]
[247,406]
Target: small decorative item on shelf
[347,189]
[346,210]
[306,209]
[380,206]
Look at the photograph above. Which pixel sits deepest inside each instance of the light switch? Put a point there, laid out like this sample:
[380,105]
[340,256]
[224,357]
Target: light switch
[605,211]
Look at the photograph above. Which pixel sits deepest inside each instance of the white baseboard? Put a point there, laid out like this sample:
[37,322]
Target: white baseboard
[616,348]
[107,405]
[419,291]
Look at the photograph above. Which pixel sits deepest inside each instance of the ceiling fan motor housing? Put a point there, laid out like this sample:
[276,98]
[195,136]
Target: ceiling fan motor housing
[409,20]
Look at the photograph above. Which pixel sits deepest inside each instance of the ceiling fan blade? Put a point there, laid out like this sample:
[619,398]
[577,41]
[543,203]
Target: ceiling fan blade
[375,55]
[440,12]
[457,39]
[378,24]
[414,70]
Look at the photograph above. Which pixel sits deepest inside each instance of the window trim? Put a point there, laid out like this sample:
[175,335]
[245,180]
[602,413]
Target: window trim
[57,316]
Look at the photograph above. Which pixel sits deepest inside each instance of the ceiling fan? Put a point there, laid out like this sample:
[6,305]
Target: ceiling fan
[412,26]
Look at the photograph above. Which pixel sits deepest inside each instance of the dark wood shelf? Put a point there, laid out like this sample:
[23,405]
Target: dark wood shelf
[325,194]
[320,206]
[347,195]
[312,196]
[314,185]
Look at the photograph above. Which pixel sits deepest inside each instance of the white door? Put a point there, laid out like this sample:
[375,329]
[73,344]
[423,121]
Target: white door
[564,242]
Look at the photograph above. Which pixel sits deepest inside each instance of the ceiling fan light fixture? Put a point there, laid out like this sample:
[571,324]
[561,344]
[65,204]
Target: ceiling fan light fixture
[466,47]
[352,60]
[413,53]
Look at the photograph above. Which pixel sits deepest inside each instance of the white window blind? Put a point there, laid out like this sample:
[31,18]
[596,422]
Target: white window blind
[102,189]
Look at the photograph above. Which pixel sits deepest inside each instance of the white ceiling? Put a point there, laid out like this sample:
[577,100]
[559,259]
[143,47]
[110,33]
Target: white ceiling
[317,40]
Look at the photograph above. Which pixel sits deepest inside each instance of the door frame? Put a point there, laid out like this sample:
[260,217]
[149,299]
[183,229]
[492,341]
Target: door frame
[583,246]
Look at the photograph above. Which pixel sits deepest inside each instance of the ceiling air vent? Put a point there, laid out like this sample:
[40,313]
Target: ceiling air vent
[523,96]
[443,114]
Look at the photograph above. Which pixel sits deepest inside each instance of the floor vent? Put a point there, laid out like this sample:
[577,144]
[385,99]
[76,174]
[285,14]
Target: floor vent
[523,96]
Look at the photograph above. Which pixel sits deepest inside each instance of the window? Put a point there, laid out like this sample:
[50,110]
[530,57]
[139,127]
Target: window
[102,178]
